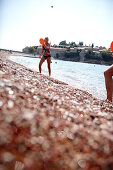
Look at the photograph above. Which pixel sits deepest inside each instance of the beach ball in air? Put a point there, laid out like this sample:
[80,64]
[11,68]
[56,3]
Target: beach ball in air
[111,46]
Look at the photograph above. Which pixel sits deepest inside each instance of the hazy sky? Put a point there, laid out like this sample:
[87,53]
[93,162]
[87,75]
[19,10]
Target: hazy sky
[23,22]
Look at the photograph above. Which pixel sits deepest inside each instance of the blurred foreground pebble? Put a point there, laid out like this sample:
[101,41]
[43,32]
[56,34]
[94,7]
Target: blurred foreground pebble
[46,124]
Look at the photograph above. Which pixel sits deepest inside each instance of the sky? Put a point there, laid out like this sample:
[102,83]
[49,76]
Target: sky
[24,22]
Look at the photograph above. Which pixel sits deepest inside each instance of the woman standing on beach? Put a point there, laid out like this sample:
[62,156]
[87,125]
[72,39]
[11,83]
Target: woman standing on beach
[46,55]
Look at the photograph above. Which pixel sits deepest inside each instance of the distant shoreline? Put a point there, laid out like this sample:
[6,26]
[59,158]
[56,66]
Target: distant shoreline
[10,52]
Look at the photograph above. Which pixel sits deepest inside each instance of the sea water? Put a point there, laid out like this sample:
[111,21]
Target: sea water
[84,76]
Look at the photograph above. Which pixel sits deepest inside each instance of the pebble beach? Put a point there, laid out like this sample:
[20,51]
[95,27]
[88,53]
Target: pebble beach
[45,124]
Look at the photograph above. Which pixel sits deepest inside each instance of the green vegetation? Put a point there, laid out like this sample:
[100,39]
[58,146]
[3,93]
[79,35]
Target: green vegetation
[63,43]
[57,55]
[81,43]
[107,55]
[92,45]
[72,43]
[32,49]
[71,55]
[104,56]
[90,51]
[92,56]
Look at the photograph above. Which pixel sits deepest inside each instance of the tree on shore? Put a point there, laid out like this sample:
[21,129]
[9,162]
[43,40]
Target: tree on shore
[107,55]
[63,43]
[90,51]
[73,44]
[81,43]
[92,45]
[32,49]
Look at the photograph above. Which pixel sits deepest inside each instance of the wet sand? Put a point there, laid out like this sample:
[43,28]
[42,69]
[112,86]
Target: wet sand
[46,124]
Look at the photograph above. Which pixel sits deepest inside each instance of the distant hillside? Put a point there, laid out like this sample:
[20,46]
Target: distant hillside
[86,54]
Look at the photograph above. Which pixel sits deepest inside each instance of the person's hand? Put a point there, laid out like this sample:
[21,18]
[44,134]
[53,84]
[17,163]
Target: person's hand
[39,56]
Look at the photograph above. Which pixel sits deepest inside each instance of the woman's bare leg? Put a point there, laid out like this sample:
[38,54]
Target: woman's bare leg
[49,65]
[112,87]
[40,64]
[109,82]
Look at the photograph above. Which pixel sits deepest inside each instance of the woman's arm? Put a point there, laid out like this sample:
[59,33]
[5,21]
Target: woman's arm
[41,52]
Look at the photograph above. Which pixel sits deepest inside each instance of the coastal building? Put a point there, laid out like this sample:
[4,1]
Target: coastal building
[82,55]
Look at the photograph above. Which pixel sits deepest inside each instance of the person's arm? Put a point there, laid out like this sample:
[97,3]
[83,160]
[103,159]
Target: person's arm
[41,52]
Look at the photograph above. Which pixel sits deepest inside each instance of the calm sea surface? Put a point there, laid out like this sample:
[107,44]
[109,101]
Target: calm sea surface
[88,77]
